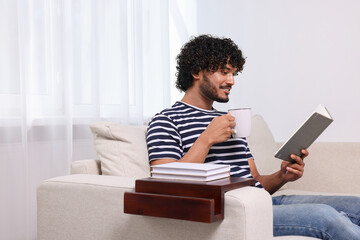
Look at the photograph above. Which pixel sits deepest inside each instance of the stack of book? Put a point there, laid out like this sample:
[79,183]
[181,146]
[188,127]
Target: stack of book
[190,171]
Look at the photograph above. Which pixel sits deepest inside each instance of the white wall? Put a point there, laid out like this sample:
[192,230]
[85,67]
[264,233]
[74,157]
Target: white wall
[299,53]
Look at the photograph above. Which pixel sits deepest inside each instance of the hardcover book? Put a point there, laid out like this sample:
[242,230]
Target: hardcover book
[307,133]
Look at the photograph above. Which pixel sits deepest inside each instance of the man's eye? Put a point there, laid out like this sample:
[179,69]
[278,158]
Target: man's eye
[225,73]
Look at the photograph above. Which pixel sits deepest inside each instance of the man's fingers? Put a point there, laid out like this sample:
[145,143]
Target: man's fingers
[304,153]
[295,171]
[231,120]
[297,159]
[230,117]
[297,166]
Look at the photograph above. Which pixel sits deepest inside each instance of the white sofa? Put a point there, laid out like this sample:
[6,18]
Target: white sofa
[88,204]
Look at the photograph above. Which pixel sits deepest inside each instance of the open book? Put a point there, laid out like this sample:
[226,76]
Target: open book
[308,132]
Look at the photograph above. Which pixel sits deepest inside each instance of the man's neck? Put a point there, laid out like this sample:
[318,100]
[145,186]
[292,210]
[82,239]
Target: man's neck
[197,100]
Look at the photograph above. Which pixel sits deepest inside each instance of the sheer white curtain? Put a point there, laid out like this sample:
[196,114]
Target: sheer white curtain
[63,65]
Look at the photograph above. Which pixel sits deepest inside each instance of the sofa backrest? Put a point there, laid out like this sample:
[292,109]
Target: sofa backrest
[263,146]
[122,148]
[331,167]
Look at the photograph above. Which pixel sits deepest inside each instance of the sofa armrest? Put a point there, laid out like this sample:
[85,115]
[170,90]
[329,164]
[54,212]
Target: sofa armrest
[249,209]
[91,207]
[88,166]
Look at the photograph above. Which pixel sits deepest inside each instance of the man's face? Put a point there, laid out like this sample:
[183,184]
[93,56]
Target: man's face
[216,86]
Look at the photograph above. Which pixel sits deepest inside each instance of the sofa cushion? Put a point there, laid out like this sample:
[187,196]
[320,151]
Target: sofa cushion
[121,149]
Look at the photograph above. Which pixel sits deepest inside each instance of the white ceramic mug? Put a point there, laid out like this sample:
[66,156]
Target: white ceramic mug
[243,122]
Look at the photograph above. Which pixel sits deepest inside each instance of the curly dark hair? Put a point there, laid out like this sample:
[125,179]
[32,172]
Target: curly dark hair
[206,52]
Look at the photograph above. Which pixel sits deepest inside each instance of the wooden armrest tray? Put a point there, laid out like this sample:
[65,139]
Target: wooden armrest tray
[186,200]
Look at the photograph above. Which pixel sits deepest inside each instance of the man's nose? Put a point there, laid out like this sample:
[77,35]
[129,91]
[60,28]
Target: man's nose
[230,79]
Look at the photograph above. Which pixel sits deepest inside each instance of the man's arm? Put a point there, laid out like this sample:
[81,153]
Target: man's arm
[219,130]
[288,172]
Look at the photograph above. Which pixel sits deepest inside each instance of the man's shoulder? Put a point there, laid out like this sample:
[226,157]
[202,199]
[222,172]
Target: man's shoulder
[182,112]
[173,109]
[176,110]
[166,114]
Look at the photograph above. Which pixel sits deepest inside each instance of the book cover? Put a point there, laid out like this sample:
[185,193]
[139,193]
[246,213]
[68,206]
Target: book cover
[307,133]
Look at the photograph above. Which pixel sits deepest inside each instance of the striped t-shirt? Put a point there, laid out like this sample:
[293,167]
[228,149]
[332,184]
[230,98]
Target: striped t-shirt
[172,132]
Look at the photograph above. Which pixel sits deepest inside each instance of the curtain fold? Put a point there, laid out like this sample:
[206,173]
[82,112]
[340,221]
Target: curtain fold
[63,65]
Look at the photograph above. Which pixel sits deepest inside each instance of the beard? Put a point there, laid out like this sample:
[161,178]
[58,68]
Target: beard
[209,90]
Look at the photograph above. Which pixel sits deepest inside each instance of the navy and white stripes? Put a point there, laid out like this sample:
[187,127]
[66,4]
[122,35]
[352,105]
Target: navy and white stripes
[172,132]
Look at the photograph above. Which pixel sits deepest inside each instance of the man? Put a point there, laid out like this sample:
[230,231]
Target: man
[193,131]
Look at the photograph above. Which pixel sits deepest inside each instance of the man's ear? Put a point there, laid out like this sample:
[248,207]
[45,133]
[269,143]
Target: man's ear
[196,76]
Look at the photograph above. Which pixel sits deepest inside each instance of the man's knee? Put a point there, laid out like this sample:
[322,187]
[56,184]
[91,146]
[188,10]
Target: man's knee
[316,220]
[330,218]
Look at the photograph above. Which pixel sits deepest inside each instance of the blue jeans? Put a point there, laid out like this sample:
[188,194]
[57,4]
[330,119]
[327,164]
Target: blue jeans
[324,217]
